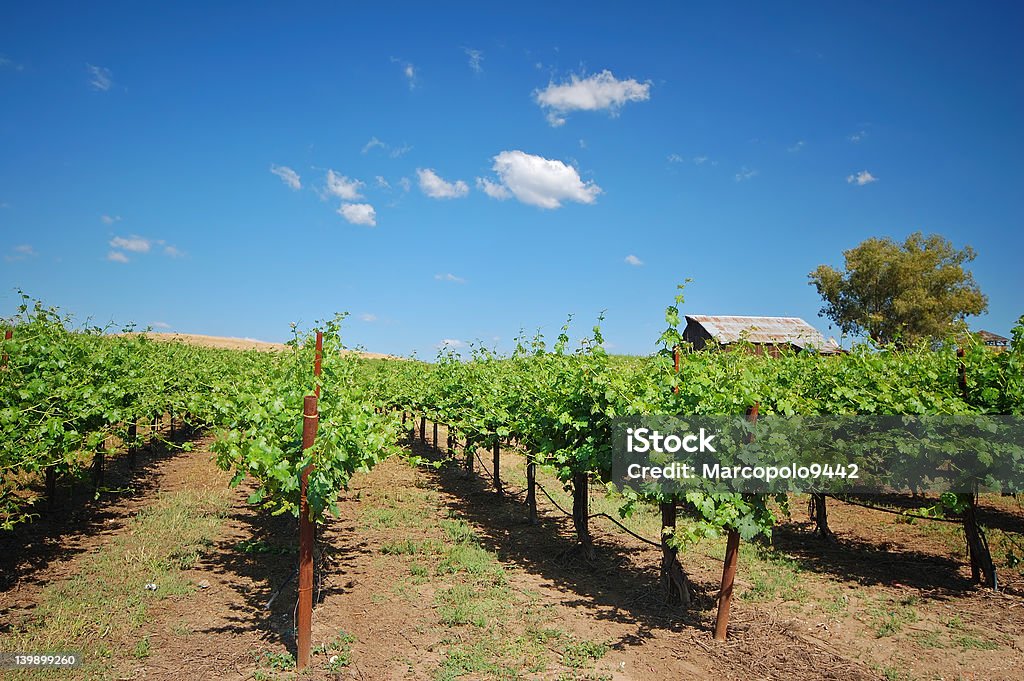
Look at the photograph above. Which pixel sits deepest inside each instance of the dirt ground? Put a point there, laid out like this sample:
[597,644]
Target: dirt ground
[889,600]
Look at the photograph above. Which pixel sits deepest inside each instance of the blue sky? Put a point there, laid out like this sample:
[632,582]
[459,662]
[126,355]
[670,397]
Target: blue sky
[459,174]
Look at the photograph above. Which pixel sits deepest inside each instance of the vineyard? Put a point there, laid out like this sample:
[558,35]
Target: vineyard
[299,429]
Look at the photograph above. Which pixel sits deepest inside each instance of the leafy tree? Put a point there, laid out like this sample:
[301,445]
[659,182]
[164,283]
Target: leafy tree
[901,292]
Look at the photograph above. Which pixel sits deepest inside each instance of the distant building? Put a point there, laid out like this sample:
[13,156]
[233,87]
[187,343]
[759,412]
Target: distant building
[768,335]
[994,341]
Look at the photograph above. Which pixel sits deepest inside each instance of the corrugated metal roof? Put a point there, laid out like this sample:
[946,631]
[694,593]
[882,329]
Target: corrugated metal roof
[989,337]
[764,330]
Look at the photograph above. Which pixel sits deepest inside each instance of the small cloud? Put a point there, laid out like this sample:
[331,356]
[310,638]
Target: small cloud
[583,144]
[368,317]
[450,277]
[539,181]
[21,252]
[796,147]
[287,175]
[117,256]
[110,219]
[435,187]
[862,178]
[359,214]
[134,243]
[372,144]
[408,70]
[475,59]
[405,184]
[745,173]
[601,91]
[858,136]
[6,63]
[343,187]
[675,158]
[493,189]
[450,343]
[99,78]
[381,182]
[634,261]
[173,252]
[160,325]
[398,152]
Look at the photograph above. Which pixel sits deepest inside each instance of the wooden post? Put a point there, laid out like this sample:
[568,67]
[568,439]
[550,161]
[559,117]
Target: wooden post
[435,434]
[982,566]
[51,485]
[497,465]
[133,430]
[531,490]
[310,420]
[97,469]
[732,552]
[581,512]
[423,430]
[451,442]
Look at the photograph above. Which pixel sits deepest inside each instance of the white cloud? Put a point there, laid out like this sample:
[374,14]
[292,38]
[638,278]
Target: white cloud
[675,158]
[599,91]
[450,277]
[435,187]
[100,78]
[700,160]
[6,63]
[21,252]
[475,57]
[117,256]
[374,142]
[858,136]
[634,261]
[110,219]
[381,182]
[451,343]
[797,147]
[134,243]
[368,317]
[160,325]
[539,181]
[862,178]
[173,252]
[408,70]
[359,214]
[398,152]
[405,184]
[343,187]
[287,175]
[745,173]
[493,189]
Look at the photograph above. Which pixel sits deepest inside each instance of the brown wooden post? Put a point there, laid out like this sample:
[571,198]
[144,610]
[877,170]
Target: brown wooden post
[423,430]
[97,469]
[51,485]
[732,552]
[435,434]
[310,420]
[581,512]
[497,465]
[132,448]
[531,489]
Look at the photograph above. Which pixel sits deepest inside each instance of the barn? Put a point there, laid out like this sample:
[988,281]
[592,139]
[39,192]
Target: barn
[767,335]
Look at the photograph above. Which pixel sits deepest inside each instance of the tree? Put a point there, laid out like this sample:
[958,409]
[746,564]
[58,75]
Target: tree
[901,292]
